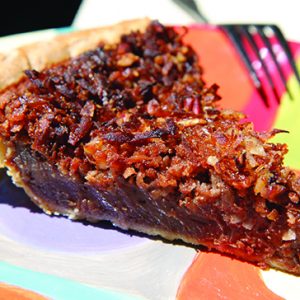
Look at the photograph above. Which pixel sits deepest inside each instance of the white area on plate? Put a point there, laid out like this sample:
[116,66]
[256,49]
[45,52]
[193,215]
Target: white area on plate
[282,284]
[152,270]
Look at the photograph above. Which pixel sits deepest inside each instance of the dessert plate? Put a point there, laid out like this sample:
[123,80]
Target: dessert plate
[49,256]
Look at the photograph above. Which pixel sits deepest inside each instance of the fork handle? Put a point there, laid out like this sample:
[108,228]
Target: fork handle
[192,9]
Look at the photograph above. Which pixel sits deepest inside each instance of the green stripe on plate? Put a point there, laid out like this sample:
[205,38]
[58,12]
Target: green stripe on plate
[288,119]
[62,30]
[55,287]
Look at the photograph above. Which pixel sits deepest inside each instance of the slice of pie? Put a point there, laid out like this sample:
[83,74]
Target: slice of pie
[128,132]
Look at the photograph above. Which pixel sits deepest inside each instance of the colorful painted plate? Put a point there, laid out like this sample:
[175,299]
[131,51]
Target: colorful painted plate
[53,257]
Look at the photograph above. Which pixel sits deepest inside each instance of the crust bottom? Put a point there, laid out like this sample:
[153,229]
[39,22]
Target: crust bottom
[93,214]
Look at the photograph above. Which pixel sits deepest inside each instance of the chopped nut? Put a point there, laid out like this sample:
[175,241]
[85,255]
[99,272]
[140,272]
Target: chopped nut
[184,50]
[261,183]
[273,215]
[127,60]
[254,146]
[128,172]
[291,218]
[259,150]
[289,235]
[136,73]
[294,197]
[229,113]
[191,122]
[234,219]
[180,57]
[252,162]
[91,175]
[152,107]
[159,60]
[248,225]
[212,160]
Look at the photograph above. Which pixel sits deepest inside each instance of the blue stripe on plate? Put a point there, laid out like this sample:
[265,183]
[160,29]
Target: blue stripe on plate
[55,287]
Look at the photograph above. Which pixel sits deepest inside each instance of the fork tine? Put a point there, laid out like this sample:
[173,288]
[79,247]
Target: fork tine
[245,32]
[260,30]
[277,32]
[231,32]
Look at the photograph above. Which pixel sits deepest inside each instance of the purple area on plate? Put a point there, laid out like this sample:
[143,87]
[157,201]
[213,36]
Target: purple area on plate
[24,222]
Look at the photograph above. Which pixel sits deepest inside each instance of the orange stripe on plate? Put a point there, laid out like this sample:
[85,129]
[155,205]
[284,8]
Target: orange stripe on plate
[15,293]
[212,276]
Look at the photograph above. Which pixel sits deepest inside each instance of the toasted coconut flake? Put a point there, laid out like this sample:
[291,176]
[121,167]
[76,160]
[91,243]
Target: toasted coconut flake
[261,183]
[235,219]
[190,122]
[212,160]
[252,162]
[294,197]
[291,218]
[253,146]
[128,172]
[248,225]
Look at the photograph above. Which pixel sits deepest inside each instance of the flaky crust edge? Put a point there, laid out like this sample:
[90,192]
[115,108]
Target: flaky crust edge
[42,54]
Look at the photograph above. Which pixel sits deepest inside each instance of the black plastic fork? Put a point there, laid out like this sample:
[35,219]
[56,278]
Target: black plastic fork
[242,35]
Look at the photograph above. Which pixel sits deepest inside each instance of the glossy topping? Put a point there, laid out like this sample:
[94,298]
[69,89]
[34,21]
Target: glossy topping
[139,109]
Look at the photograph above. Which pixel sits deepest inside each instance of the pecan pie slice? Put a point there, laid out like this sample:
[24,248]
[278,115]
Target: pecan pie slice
[117,124]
